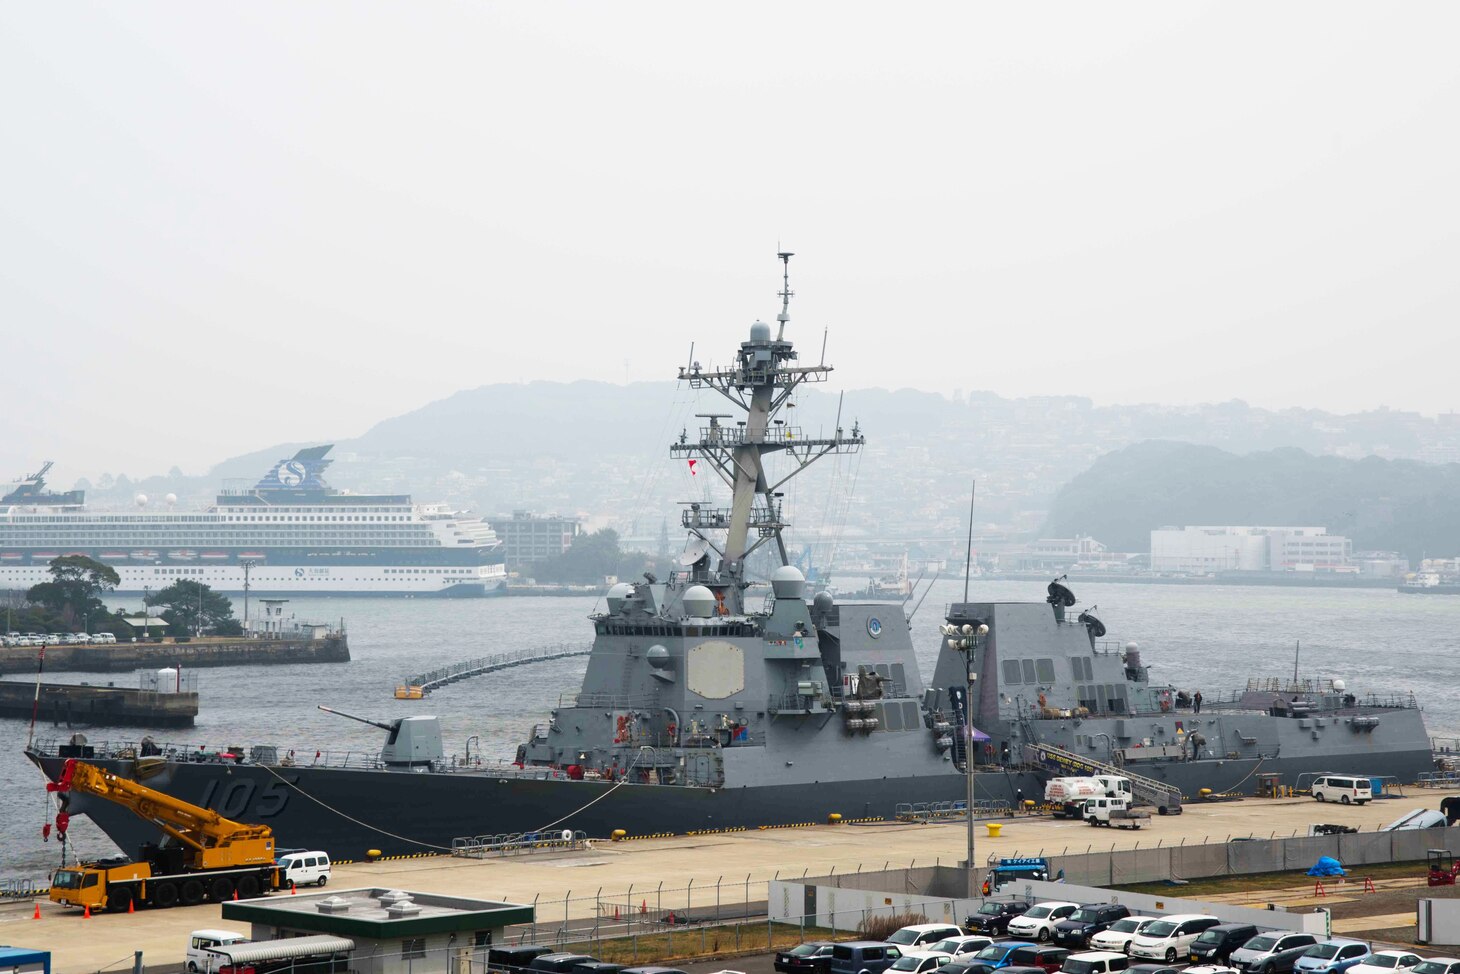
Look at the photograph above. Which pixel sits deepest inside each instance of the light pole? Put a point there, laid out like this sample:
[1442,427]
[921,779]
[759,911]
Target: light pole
[964,639]
[247,567]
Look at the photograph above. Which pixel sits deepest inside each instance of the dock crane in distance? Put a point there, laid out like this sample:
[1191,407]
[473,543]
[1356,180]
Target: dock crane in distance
[204,855]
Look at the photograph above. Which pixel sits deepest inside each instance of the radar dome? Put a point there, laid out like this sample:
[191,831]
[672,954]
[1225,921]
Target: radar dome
[140,500]
[171,499]
[658,657]
[1340,686]
[699,602]
[824,602]
[760,332]
[618,594]
[788,582]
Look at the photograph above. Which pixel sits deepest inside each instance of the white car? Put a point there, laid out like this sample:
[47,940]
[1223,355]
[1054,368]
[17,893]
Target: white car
[1438,965]
[1120,934]
[1037,922]
[923,935]
[920,962]
[961,945]
[1210,969]
[1386,962]
[1171,937]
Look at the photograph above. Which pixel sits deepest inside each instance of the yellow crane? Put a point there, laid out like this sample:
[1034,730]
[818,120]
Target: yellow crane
[204,855]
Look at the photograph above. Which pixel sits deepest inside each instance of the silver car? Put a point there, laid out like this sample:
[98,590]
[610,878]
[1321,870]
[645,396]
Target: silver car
[1272,953]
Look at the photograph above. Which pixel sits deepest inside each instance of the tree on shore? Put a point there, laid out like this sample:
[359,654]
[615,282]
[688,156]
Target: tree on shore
[73,595]
[191,608]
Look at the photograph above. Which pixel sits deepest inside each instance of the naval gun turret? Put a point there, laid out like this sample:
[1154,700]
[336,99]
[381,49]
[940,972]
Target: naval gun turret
[413,741]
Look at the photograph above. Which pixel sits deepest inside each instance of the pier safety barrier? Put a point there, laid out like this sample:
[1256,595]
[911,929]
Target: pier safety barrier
[944,811]
[517,843]
[26,888]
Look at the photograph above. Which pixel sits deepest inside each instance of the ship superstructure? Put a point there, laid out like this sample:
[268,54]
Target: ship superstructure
[288,533]
[703,708]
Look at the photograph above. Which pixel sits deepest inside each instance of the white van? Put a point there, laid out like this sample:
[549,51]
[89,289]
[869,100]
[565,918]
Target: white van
[1343,788]
[1170,937]
[201,941]
[304,869]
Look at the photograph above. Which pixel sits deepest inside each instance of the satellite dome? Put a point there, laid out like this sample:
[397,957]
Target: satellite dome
[658,657]
[618,594]
[140,500]
[760,332]
[824,602]
[1132,647]
[699,602]
[1340,686]
[788,582]
[171,499]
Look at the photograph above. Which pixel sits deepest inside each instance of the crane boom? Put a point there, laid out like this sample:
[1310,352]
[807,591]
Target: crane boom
[215,840]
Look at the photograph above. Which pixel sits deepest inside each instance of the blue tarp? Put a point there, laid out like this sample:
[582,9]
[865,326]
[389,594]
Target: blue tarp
[1326,866]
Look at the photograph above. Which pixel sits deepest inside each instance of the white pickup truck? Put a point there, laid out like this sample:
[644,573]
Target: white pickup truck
[1115,812]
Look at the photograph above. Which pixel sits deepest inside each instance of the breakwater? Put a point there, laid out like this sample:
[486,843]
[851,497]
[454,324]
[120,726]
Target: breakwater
[84,705]
[125,657]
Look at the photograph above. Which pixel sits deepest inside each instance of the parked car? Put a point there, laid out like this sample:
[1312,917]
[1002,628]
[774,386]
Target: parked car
[969,966]
[872,956]
[1000,955]
[651,970]
[1333,956]
[1210,969]
[558,963]
[813,957]
[306,868]
[201,942]
[1272,953]
[993,917]
[1171,937]
[920,962]
[1420,818]
[1153,969]
[1047,959]
[1095,962]
[1076,930]
[1037,922]
[1343,788]
[597,967]
[1119,934]
[962,944]
[514,958]
[1438,965]
[1386,962]
[1215,946]
[923,934]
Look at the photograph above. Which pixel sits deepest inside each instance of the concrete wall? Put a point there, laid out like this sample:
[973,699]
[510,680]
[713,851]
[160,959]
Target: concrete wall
[847,908]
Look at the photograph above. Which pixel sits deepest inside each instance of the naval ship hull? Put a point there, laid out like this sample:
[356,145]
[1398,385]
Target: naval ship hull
[346,812]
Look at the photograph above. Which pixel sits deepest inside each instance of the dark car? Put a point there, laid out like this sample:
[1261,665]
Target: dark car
[1152,969]
[872,956]
[1272,953]
[813,957]
[558,963]
[1076,930]
[652,970]
[1215,946]
[1022,970]
[597,967]
[966,967]
[1047,959]
[993,917]
[515,958]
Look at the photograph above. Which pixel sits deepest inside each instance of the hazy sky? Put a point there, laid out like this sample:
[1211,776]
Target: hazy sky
[224,226]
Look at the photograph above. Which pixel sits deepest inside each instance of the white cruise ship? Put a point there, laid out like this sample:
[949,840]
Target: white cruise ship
[291,533]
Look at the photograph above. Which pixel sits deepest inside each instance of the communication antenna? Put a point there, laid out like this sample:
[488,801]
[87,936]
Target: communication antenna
[968,559]
[786,293]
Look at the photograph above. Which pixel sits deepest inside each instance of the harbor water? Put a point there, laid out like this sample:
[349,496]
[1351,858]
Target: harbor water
[1211,638]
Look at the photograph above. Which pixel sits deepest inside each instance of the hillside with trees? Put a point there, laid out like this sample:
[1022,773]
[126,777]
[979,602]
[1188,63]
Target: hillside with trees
[1390,505]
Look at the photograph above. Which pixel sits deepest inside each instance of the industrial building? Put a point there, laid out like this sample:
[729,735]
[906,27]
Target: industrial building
[1249,548]
[528,538]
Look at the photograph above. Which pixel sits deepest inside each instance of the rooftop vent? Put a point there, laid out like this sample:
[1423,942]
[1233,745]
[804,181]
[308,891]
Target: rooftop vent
[333,904]
[392,896]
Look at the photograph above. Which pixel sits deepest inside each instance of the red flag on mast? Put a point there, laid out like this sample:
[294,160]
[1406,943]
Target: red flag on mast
[692,470]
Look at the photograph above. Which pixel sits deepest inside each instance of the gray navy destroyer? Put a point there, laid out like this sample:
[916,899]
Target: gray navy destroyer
[704,708]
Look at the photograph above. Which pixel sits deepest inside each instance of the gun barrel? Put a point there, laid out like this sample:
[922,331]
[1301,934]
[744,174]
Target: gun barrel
[363,720]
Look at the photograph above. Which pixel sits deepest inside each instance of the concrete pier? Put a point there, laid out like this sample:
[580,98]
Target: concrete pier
[572,886]
[207,651]
[83,705]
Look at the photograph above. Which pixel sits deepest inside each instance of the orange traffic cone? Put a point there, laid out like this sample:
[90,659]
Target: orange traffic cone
[292,890]
[131,906]
[86,913]
[37,912]
[235,894]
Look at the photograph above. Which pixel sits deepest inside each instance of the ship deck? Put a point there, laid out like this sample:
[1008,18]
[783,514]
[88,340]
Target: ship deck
[618,871]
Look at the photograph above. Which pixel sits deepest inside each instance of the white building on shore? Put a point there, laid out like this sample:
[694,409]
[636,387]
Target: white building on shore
[1249,548]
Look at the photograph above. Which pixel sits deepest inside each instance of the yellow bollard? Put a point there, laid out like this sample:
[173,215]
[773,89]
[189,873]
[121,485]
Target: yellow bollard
[833,818]
[994,829]
[618,835]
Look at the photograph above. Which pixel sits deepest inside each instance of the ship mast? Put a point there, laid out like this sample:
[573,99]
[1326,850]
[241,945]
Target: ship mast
[758,384]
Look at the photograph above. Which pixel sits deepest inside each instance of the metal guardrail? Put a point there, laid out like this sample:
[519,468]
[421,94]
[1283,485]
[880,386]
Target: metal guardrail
[444,675]
[1438,779]
[516,843]
[945,811]
[23,889]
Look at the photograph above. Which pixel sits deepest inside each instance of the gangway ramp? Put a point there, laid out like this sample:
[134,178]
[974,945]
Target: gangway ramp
[1165,798]
[418,686]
